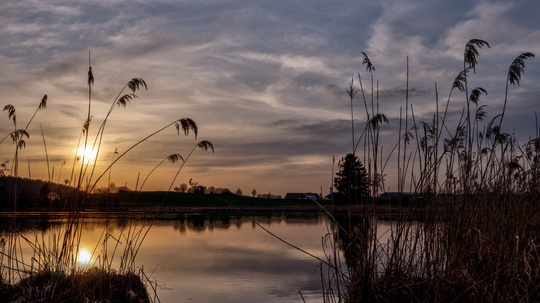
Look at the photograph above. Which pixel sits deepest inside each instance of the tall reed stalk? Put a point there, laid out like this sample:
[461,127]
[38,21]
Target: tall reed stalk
[468,235]
[59,255]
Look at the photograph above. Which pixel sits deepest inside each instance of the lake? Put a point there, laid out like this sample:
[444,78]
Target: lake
[210,256]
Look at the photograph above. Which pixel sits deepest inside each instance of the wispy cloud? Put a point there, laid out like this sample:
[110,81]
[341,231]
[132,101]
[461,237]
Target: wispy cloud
[264,80]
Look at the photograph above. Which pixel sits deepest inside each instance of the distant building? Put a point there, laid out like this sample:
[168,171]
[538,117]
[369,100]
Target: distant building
[296,196]
[392,194]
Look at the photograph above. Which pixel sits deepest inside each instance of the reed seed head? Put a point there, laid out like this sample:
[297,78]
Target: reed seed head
[43,103]
[86,125]
[186,124]
[136,83]
[90,76]
[205,145]
[517,68]
[17,135]
[11,112]
[122,101]
[175,158]
[475,94]
[378,119]
[460,80]
[471,52]
[480,113]
[369,66]
[21,144]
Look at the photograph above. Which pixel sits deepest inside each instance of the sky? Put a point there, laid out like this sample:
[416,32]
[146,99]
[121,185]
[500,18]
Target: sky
[265,81]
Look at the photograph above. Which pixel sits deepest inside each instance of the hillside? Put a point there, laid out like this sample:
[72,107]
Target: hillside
[36,195]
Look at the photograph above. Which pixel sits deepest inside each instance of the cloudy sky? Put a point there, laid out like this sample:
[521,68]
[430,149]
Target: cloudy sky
[264,80]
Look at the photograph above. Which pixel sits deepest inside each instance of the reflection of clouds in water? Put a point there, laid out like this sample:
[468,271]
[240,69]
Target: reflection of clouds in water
[245,259]
[210,260]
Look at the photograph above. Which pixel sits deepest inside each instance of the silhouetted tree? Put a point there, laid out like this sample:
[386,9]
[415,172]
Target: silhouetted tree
[254,192]
[183,188]
[352,180]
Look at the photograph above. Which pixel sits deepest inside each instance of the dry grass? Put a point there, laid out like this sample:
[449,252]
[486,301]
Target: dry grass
[472,239]
[52,274]
[457,252]
[89,286]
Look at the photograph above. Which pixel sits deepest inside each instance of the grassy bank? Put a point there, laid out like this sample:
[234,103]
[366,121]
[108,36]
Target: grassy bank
[39,195]
[159,199]
[87,286]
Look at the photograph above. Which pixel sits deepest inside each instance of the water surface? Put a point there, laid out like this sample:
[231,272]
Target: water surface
[212,257]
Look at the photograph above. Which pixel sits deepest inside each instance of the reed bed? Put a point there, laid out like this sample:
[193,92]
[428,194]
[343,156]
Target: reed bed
[53,272]
[89,286]
[468,235]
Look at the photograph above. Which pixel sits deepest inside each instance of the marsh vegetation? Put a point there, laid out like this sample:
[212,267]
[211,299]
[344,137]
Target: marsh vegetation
[472,239]
[52,272]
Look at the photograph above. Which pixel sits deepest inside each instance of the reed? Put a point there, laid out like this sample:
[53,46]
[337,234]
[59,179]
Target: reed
[469,234]
[52,273]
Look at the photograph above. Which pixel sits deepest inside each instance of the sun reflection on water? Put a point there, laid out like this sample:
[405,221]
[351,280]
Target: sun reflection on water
[84,257]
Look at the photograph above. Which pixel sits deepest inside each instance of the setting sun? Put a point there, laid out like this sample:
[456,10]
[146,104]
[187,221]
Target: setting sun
[87,154]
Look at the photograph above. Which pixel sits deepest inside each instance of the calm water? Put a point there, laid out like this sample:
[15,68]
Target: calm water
[215,257]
